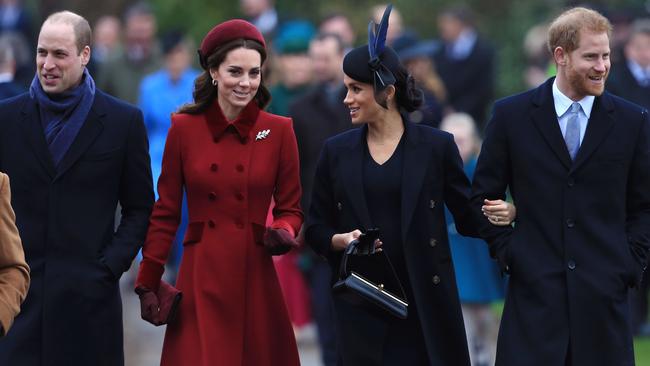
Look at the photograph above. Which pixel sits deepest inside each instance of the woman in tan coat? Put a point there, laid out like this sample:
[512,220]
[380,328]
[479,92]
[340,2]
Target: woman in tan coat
[14,272]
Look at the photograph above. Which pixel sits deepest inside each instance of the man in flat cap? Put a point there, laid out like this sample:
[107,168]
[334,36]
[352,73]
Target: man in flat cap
[73,153]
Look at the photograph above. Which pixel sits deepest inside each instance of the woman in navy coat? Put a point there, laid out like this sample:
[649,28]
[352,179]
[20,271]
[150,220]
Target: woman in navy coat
[396,176]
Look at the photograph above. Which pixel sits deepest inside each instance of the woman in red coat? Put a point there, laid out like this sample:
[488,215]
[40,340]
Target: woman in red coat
[231,157]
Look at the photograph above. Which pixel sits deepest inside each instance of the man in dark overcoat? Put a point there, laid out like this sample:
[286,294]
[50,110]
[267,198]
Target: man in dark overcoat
[73,153]
[577,162]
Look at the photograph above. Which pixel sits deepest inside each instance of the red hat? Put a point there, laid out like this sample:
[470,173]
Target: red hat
[226,32]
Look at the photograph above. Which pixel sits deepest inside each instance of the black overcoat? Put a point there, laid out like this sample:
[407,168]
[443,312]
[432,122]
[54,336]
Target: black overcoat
[582,229]
[66,217]
[432,178]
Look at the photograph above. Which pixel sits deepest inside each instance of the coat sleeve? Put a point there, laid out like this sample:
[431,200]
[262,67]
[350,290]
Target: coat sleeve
[166,214]
[321,217]
[286,212]
[638,200]
[457,191]
[491,180]
[136,199]
[14,272]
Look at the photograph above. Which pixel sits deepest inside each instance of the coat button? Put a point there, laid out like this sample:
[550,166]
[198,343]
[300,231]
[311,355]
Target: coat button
[239,224]
[571,182]
[339,206]
[433,242]
[212,196]
[432,204]
[239,196]
[435,279]
[214,167]
[571,264]
[211,224]
[570,223]
[215,139]
[240,168]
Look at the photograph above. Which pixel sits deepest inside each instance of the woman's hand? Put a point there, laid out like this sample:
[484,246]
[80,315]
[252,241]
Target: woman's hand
[149,306]
[341,241]
[499,212]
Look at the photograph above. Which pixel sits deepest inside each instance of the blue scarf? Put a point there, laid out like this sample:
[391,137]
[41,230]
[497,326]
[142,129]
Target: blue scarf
[62,115]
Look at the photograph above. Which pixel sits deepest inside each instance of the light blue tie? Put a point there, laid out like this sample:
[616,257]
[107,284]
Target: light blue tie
[572,135]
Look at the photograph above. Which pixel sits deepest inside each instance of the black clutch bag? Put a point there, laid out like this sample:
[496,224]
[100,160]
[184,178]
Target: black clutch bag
[357,289]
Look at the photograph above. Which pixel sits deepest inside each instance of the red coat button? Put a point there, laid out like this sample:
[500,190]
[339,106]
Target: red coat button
[214,167]
[212,196]
[211,224]
[240,168]
[239,196]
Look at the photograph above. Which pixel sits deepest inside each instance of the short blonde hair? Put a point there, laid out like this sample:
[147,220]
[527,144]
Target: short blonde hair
[565,30]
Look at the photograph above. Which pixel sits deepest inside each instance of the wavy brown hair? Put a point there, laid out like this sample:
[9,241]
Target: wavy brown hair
[205,93]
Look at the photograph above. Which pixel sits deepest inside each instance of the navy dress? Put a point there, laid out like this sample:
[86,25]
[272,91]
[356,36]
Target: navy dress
[404,342]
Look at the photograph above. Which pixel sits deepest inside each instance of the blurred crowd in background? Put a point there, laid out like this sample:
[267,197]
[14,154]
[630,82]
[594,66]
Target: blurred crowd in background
[456,67]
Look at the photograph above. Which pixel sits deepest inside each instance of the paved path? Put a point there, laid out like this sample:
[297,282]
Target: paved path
[143,341]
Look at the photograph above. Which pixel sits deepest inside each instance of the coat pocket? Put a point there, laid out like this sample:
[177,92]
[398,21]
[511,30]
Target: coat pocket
[194,233]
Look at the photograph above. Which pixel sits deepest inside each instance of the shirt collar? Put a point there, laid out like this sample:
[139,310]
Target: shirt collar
[464,44]
[6,77]
[640,74]
[219,124]
[563,103]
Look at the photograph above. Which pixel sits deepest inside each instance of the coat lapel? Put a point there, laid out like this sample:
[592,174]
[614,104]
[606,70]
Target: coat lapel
[545,119]
[352,173]
[415,169]
[33,131]
[91,128]
[600,123]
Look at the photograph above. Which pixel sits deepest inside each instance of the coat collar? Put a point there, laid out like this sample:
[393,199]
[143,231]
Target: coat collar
[33,131]
[218,124]
[416,155]
[416,162]
[545,119]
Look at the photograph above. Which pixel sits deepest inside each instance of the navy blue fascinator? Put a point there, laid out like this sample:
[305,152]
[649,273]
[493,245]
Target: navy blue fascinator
[374,63]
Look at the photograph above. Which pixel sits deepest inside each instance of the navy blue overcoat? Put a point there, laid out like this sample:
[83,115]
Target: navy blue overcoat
[432,177]
[582,230]
[66,217]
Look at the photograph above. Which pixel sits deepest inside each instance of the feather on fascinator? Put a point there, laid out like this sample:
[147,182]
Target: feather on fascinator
[382,76]
[374,63]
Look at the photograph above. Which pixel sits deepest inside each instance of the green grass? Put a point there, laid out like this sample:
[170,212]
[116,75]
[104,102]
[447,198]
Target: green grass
[642,351]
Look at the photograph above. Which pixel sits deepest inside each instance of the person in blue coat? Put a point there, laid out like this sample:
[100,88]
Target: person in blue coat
[479,282]
[73,153]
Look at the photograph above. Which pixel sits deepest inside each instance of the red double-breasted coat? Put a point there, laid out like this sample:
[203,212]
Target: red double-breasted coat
[232,311]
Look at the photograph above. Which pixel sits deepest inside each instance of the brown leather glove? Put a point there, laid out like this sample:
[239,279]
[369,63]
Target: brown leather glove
[149,306]
[278,241]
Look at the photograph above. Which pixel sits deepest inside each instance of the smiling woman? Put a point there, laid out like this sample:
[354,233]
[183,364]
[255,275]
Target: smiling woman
[397,176]
[231,158]
[237,79]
